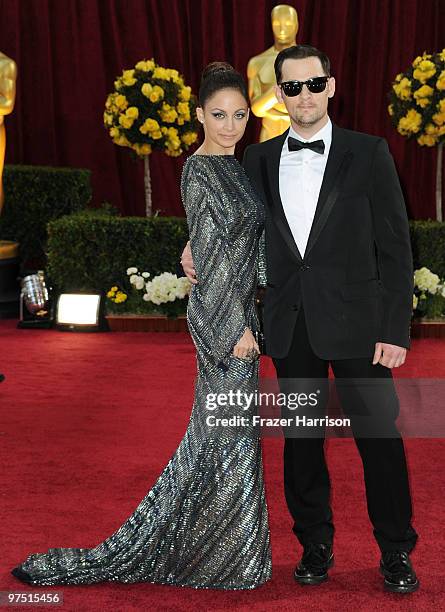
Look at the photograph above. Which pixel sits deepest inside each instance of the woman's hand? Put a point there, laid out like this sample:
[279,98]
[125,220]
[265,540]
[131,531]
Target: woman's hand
[187,264]
[246,346]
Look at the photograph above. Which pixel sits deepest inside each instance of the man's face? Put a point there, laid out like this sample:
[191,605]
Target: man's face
[307,108]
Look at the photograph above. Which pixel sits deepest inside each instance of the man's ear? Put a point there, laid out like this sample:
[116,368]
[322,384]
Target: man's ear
[278,94]
[331,87]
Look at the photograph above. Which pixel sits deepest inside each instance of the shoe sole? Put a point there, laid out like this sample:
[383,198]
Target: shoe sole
[314,580]
[393,588]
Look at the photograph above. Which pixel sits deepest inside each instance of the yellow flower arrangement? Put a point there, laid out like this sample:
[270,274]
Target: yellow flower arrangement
[423,95]
[440,83]
[147,99]
[410,124]
[424,70]
[128,77]
[417,100]
[117,296]
[189,138]
[426,139]
[402,88]
[145,65]
[439,118]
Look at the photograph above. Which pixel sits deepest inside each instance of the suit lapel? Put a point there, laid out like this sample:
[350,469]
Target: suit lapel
[270,168]
[339,160]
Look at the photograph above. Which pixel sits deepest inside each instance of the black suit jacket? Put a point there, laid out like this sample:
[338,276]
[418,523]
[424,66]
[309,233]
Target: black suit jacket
[355,281]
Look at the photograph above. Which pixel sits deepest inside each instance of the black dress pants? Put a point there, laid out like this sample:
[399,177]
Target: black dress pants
[306,477]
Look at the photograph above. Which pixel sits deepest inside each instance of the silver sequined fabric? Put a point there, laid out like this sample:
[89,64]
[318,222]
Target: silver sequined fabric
[204,523]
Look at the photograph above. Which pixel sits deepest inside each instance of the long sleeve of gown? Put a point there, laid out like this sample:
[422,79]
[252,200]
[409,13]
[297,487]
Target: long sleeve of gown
[262,270]
[219,318]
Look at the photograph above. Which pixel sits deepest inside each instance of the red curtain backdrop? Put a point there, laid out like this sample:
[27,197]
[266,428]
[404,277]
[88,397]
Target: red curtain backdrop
[69,52]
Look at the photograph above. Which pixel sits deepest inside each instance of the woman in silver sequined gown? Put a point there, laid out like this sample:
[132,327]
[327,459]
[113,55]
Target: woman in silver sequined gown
[204,523]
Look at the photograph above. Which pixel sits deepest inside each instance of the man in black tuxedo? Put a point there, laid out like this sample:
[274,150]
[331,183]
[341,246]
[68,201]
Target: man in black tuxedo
[339,292]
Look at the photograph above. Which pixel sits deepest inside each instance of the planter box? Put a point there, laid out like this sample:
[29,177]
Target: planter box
[428,329]
[160,323]
[147,323]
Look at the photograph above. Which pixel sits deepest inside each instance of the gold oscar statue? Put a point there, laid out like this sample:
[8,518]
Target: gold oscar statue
[8,76]
[261,74]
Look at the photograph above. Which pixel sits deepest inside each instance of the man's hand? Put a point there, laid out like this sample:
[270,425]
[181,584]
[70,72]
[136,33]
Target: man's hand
[187,264]
[389,355]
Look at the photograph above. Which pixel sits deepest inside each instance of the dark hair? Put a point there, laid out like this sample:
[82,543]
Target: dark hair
[300,52]
[217,76]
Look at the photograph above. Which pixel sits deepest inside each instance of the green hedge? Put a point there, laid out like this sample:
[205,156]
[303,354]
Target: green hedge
[428,242]
[92,247]
[90,251]
[34,195]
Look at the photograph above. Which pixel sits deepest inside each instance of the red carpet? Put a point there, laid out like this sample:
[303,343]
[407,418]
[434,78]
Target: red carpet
[88,421]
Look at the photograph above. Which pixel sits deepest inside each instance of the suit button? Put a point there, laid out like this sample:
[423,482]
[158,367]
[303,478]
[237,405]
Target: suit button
[304,267]
[295,307]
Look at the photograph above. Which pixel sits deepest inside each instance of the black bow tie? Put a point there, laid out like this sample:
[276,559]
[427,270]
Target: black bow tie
[295,145]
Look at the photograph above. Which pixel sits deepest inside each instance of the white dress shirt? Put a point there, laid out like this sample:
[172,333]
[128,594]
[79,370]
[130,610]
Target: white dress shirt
[301,174]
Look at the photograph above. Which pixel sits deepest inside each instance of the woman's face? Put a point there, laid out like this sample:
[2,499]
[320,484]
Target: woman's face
[224,117]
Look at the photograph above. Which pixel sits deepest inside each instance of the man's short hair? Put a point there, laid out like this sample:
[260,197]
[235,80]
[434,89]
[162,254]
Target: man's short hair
[300,52]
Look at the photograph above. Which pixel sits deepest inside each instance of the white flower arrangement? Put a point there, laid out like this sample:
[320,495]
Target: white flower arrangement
[426,280]
[429,294]
[166,287]
[162,289]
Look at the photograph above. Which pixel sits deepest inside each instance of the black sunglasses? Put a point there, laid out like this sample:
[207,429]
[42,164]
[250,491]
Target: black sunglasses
[315,85]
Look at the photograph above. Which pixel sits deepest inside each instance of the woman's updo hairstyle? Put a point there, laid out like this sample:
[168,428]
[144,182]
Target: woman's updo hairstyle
[220,75]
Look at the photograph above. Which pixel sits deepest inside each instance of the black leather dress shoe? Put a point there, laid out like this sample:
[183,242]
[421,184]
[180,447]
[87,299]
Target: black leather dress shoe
[314,564]
[2,377]
[399,574]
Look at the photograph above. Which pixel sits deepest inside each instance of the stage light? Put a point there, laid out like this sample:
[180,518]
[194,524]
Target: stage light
[80,312]
[35,302]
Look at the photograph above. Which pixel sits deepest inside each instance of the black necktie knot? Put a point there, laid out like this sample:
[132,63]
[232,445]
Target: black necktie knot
[296,145]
